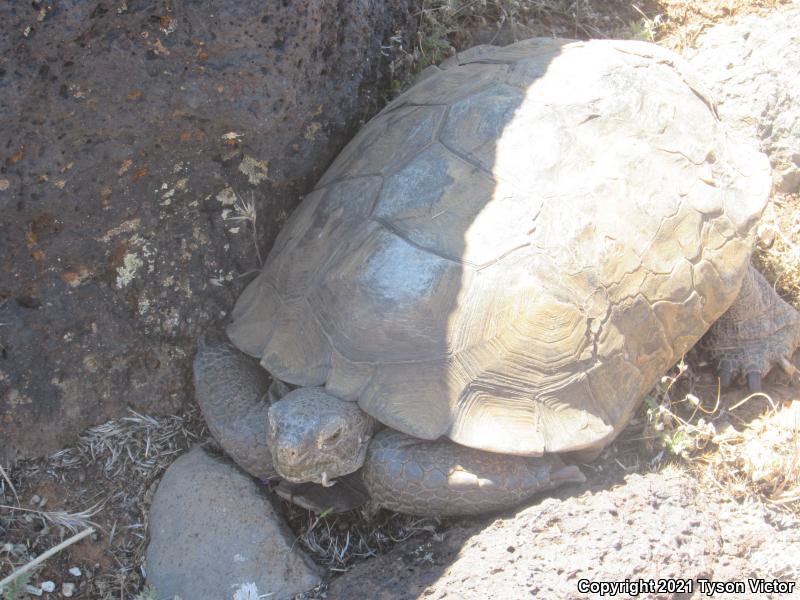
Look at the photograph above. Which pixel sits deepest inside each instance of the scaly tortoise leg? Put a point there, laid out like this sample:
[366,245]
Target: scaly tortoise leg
[232,390]
[442,478]
[760,330]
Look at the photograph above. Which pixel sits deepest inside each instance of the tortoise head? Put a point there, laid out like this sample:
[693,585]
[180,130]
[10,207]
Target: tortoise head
[316,437]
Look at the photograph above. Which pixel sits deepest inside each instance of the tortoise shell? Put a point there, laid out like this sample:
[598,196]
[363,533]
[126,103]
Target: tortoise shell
[515,250]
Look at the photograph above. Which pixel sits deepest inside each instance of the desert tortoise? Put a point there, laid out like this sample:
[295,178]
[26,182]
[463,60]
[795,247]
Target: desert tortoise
[496,270]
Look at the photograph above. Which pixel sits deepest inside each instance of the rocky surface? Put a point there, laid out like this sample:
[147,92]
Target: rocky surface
[753,70]
[214,532]
[615,528]
[127,131]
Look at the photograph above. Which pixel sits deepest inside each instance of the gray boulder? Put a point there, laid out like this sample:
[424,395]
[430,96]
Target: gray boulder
[753,70]
[213,533]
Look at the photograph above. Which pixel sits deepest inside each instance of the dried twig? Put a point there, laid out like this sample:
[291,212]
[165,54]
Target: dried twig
[43,557]
[8,481]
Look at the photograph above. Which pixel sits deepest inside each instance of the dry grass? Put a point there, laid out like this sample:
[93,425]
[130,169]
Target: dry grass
[446,26]
[339,541]
[245,211]
[70,522]
[104,481]
[680,22]
[759,459]
[746,447]
[13,584]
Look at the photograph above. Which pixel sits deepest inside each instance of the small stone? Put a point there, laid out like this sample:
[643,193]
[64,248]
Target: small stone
[35,499]
[48,586]
[68,589]
[75,572]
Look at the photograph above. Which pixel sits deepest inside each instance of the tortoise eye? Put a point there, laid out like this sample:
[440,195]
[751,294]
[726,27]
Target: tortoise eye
[333,438]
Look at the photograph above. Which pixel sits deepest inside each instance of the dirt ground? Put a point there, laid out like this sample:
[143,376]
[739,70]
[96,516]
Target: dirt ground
[744,449]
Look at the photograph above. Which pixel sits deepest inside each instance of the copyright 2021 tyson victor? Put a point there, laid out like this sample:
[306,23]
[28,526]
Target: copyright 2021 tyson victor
[709,587]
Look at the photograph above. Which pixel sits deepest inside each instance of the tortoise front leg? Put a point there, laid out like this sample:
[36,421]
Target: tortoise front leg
[442,478]
[760,330]
[232,391]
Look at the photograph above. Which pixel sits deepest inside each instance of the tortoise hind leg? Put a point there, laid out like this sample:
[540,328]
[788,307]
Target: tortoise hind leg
[760,330]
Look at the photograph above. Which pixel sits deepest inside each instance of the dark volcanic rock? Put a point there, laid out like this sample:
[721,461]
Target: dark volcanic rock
[127,129]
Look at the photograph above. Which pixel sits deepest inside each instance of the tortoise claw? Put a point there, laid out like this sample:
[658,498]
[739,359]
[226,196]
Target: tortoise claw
[759,331]
[754,382]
